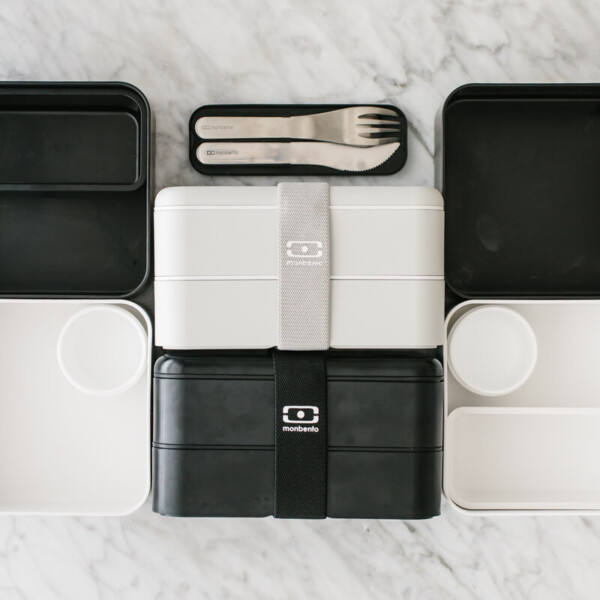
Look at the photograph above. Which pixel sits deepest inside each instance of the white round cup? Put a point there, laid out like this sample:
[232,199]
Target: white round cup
[103,350]
[492,350]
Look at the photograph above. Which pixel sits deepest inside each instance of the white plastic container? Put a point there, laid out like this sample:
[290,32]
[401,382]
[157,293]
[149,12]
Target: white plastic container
[523,458]
[216,267]
[102,350]
[535,448]
[65,450]
[492,350]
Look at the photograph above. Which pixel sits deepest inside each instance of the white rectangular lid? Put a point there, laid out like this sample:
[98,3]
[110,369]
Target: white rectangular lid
[231,232]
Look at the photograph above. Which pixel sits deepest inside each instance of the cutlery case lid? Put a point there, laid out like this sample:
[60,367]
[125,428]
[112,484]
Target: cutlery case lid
[518,167]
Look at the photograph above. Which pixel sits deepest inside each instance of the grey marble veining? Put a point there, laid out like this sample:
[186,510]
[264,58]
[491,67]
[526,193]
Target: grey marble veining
[411,53]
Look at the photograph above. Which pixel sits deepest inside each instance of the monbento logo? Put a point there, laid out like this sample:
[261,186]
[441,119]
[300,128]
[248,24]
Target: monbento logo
[301,419]
[303,254]
[205,127]
[221,152]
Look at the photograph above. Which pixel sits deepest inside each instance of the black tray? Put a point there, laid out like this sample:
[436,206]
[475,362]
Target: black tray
[390,166]
[521,185]
[74,190]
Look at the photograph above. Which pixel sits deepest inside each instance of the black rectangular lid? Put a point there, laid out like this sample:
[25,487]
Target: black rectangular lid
[373,401]
[521,188]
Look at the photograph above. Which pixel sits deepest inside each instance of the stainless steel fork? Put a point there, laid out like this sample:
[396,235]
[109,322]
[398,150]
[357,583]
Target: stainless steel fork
[353,126]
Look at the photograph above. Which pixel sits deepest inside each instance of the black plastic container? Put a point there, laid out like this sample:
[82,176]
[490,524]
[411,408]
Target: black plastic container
[390,166]
[214,436]
[519,175]
[74,190]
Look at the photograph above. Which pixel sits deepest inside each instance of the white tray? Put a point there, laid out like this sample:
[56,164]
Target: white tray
[523,458]
[535,450]
[64,452]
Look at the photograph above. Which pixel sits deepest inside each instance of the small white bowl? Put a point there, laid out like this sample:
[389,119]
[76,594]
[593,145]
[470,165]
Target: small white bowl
[492,350]
[102,350]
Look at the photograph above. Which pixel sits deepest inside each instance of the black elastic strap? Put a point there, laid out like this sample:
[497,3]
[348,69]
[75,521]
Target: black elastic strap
[300,435]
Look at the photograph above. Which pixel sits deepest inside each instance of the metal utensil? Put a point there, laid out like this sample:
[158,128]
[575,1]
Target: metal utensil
[325,154]
[354,126]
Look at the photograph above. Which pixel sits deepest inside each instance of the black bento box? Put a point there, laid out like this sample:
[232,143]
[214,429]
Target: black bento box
[214,435]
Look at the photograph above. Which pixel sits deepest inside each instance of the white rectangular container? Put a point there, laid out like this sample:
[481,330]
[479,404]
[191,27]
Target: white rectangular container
[535,450]
[64,451]
[216,267]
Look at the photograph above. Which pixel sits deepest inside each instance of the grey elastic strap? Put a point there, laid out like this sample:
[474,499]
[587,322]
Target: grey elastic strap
[304,275]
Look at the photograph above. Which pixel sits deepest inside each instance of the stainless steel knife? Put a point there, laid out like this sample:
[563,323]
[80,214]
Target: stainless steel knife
[325,154]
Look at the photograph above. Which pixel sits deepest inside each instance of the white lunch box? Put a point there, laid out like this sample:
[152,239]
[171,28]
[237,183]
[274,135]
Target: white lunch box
[216,265]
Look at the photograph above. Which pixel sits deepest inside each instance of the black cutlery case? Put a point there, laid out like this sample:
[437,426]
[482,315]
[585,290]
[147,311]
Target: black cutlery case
[392,165]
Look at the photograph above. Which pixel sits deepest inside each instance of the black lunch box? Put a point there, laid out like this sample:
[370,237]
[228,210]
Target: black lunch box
[214,435]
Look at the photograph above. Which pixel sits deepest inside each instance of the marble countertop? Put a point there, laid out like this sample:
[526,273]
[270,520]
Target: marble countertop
[409,53]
